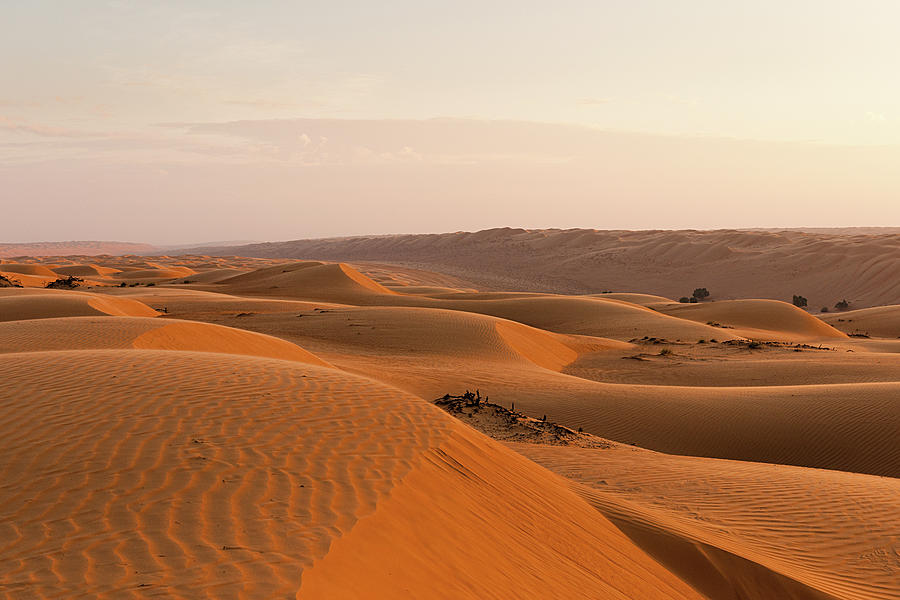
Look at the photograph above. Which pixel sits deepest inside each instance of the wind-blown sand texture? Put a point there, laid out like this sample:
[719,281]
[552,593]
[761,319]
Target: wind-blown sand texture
[253,428]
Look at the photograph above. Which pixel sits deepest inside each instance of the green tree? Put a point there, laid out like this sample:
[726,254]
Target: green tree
[701,294]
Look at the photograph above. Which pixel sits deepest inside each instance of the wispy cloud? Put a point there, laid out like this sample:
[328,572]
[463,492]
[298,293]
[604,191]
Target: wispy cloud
[593,101]
[10,125]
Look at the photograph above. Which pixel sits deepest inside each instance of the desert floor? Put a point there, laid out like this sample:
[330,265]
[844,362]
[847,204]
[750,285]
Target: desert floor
[221,427]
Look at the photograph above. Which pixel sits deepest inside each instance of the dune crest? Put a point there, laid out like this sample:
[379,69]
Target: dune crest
[21,304]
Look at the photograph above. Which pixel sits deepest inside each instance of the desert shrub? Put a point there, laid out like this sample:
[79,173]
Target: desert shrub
[65,283]
[151,284]
[842,305]
[824,309]
[693,300]
[684,299]
[7,282]
[665,352]
[799,301]
[701,294]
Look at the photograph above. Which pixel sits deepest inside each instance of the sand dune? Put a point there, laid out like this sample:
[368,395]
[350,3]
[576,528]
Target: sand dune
[431,334]
[27,269]
[92,333]
[881,321]
[188,490]
[308,280]
[590,316]
[640,299]
[824,267]
[151,273]
[804,533]
[760,315]
[95,271]
[88,248]
[20,304]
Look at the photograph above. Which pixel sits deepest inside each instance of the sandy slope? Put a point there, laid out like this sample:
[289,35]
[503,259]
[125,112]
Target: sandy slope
[20,304]
[765,318]
[235,477]
[880,321]
[308,280]
[824,267]
[89,333]
[804,533]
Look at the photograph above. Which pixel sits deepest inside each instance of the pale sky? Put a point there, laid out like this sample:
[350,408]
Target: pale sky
[172,122]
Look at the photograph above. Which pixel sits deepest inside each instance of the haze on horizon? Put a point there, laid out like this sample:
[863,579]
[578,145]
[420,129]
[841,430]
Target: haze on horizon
[172,122]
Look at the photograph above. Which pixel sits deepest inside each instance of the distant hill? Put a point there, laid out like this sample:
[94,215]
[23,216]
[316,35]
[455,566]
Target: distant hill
[83,248]
[824,266]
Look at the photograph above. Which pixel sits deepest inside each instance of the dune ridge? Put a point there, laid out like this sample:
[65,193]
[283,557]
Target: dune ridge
[824,267]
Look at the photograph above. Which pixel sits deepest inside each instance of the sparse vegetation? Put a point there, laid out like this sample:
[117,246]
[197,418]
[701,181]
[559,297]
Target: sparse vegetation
[65,283]
[842,305]
[799,301]
[684,299]
[701,294]
[824,309]
[508,425]
[665,352]
[6,282]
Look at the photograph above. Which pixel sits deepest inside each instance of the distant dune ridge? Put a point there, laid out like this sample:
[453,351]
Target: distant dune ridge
[86,248]
[825,266]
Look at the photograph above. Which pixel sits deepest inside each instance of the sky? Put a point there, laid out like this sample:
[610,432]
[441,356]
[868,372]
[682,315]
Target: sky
[178,122]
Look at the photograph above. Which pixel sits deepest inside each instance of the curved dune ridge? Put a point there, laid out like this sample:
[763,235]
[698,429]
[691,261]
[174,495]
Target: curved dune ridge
[589,316]
[21,304]
[880,321]
[641,299]
[152,273]
[93,271]
[429,334]
[763,315]
[807,533]
[245,477]
[447,333]
[27,269]
[86,333]
[334,282]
